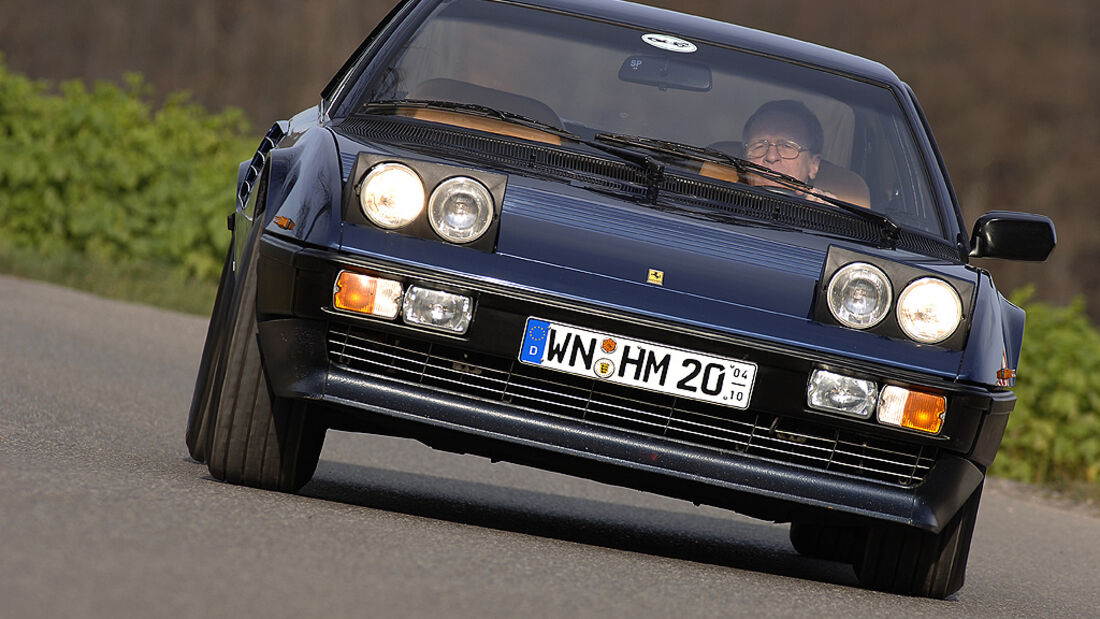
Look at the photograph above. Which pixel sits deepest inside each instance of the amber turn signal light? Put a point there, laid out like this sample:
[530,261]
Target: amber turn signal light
[915,410]
[365,294]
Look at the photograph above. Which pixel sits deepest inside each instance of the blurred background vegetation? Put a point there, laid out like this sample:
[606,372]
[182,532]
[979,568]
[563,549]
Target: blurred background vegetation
[121,123]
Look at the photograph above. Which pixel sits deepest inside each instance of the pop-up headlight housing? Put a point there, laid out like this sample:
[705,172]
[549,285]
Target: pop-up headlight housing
[392,194]
[857,292]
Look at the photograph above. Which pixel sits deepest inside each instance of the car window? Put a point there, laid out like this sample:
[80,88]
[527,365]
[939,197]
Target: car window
[569,71]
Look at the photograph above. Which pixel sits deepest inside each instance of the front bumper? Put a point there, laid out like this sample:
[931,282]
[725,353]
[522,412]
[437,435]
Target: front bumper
[776,461]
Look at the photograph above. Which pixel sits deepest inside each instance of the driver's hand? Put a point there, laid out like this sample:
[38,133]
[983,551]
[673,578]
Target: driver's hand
[820,192]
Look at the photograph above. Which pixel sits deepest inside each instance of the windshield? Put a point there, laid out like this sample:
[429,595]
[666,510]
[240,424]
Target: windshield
[845,137]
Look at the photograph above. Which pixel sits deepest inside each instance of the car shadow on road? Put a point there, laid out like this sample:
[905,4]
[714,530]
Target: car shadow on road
[734,543]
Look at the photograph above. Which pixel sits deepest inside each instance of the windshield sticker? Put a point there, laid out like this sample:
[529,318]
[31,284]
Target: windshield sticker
[669,43]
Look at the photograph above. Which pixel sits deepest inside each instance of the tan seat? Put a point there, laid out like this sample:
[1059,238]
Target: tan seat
[843,183]
[443,89]
[837,180]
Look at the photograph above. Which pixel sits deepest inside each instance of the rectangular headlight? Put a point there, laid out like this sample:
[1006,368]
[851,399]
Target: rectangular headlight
[436,309]
[837,393]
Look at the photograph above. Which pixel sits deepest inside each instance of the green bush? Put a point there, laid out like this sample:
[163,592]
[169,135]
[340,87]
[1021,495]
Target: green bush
[100,173]
[1053,434]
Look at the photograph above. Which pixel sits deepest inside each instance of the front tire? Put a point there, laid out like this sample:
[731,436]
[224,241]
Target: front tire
[198,431]
[913,562]
[828,542]
[258,439]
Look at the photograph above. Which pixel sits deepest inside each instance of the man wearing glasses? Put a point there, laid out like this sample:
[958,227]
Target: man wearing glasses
[786,137]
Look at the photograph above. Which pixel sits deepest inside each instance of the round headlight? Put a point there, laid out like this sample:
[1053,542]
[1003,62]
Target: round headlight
[929,310]
[392,195]
[859,295]
[460,209]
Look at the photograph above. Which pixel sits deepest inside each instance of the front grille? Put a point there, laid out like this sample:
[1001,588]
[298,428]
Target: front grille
[729,431]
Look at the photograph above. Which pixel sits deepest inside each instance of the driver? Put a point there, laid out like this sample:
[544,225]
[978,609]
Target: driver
[784,136]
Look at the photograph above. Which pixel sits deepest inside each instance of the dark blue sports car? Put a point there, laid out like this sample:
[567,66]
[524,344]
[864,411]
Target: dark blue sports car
[630,245]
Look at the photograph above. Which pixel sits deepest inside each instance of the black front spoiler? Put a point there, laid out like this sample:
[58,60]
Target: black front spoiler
[294,358]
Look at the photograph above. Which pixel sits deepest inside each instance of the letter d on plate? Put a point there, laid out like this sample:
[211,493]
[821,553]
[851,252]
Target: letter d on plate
[534,340]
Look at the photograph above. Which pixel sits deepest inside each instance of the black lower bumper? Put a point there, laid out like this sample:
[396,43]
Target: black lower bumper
[745,484]
[295,338]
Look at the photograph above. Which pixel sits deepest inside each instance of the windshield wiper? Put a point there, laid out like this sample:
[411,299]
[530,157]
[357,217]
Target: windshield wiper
[653,169]
[890,229]
[680,150]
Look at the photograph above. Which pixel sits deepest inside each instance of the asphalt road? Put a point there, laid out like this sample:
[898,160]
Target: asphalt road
[103,515]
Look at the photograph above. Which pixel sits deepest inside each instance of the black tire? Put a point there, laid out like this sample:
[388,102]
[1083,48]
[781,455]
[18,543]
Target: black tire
[198,426]
[828,542]
[257,439]
[913,562]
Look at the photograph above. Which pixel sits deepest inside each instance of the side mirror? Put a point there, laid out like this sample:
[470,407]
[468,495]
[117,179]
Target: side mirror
[1013,236]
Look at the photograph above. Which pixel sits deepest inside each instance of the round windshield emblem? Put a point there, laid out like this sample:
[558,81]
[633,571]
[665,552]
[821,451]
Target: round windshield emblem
[669,43]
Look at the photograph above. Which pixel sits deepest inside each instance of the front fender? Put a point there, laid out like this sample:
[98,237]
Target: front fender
[304,189]
[996,334]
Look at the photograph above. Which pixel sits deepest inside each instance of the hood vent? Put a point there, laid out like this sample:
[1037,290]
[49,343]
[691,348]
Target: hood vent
[508,154]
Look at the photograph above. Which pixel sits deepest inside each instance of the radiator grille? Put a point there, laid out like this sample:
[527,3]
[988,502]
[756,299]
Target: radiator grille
[730,431]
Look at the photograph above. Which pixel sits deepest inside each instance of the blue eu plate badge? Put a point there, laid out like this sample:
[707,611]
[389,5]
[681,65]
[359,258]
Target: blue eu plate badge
[534,341]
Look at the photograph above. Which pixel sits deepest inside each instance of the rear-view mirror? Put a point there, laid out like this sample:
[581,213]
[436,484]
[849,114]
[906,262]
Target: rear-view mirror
[666,72]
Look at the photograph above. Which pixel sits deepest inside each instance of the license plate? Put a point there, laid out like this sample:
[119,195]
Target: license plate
[637,363]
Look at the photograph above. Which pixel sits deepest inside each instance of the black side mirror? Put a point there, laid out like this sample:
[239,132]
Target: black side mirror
[1013,236]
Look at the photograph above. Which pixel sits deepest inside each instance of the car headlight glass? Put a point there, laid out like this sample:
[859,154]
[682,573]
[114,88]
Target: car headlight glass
[859,295]
[437,309]
[392,195]
[838,393]
[460,209]
[929,310]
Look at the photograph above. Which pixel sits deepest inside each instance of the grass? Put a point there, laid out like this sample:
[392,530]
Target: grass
[159,285]
[1079,492]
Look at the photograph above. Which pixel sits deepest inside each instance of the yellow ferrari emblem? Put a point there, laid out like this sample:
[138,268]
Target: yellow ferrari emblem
[656,277]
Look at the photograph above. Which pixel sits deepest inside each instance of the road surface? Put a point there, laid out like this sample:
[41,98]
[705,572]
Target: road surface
[104,515]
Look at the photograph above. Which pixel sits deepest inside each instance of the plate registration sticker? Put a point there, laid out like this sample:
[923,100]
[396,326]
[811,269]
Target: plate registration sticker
[637,363]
